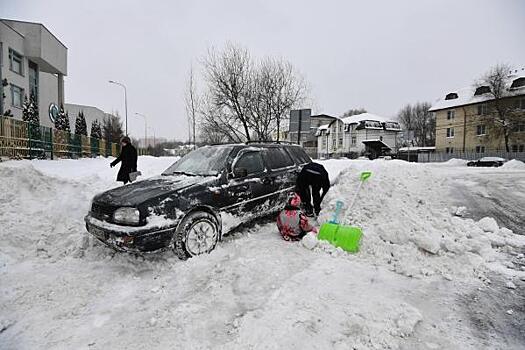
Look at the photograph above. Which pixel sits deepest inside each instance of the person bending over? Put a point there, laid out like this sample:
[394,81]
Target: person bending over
[311,180]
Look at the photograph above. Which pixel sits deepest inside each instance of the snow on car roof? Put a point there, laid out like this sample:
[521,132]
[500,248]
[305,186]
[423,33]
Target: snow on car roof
[492,159]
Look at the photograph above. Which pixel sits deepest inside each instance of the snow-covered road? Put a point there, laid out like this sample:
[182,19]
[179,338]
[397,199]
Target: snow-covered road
[424,278]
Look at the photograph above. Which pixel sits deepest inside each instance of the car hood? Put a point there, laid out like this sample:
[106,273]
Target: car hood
[139,192]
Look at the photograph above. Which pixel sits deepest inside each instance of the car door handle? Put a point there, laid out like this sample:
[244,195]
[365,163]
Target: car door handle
[268,180]
[243,188]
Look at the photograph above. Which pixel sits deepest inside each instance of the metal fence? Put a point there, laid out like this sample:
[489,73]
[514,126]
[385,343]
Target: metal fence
[19,139]
[468,155]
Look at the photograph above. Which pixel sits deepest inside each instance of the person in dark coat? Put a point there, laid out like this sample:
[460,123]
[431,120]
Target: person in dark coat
[128,157]
[311,180]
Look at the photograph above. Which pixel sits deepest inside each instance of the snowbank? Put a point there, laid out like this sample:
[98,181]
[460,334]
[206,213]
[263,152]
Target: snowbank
[62,290]
[513,164]
[408,225]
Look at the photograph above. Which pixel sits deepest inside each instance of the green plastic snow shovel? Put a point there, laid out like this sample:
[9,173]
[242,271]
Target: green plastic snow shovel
[343,236]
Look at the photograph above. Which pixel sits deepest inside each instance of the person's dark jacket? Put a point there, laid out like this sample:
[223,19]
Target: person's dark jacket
[128,157]
[315,175]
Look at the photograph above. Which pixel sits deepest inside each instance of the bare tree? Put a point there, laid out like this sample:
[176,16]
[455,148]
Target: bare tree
[503,115]
[420,121]
[276,89]
[191,103]
[247,98]
[353,111]
[228,75]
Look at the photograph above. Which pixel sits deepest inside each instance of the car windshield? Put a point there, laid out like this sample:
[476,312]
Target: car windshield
[205,161]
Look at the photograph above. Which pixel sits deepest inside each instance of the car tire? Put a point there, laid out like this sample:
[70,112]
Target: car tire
[198,233]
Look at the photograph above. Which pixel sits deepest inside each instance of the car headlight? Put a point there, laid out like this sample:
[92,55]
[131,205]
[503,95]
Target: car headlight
[127,215]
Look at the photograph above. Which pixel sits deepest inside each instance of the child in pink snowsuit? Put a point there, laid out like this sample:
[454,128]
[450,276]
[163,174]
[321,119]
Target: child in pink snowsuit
[293,224]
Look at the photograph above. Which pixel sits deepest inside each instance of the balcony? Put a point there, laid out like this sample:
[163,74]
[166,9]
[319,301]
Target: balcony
[41,46]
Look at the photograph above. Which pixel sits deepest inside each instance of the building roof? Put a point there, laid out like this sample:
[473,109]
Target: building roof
[355,119]
[323,116]
[7,20]
[465,96]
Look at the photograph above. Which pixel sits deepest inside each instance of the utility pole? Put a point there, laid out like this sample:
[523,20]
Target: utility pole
[299,131]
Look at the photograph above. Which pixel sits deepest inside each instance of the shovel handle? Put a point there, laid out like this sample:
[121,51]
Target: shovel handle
[338,207]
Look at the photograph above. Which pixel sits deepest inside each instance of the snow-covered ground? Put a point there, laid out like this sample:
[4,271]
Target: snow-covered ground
[427,277]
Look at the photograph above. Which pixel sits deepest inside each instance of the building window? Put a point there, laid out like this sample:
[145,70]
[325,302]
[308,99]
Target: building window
[520,104]
[33,81]
[340,142]
[17,96]
[450,132]
[15,62]
[449,150]
[354,140]
[481,130]
[483,109]
[451,114]
[518,83]
[480,149]
[518,148]
[451,96]
[340,127]
[333,143]
[482,90]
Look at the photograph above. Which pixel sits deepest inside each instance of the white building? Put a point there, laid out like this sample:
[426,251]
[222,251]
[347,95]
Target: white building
[91,113]
[359,134]
[32,62]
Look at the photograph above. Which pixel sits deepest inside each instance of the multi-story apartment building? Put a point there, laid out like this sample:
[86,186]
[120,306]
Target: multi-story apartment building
[465,118]
[32,62]
[358,134]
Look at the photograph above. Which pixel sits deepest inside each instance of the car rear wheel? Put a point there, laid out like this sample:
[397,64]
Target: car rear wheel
[197,234]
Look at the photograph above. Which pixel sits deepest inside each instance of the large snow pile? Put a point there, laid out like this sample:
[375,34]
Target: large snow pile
[514,164]
[61,290]
[409,226]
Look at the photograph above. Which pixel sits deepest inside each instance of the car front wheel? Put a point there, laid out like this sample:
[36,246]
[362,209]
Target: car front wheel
[197,234]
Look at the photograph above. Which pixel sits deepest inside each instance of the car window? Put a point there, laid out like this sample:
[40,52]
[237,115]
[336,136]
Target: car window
[208,160]
[299,154]
[278,158]
[252,162]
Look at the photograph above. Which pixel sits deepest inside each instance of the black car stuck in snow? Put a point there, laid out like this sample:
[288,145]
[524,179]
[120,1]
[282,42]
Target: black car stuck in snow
[183,209]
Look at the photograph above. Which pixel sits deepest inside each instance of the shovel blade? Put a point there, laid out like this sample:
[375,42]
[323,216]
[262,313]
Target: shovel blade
[347,238]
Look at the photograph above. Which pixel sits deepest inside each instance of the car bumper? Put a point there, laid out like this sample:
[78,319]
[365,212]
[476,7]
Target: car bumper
[128,238]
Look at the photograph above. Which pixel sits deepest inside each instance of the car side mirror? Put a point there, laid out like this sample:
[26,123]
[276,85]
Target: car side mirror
[240,172]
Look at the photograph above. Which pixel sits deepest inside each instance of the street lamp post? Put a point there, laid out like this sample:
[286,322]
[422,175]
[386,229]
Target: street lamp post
[125,100]
[153,130]
[145,129]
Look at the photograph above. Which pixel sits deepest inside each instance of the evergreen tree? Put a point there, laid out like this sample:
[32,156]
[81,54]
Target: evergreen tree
[33,118]
[67,126]
[33,111]
[80,124]
[95,129]
[62,120]
[112,128]
[26,113]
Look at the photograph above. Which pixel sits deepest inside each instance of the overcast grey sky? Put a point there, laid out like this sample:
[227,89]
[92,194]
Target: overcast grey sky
[373,54]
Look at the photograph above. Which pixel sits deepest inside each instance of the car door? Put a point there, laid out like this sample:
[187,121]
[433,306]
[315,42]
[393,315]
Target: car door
[245,188]
[281,176]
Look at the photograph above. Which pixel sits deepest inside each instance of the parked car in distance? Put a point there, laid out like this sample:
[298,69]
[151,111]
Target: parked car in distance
[487,162]
[196,200]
